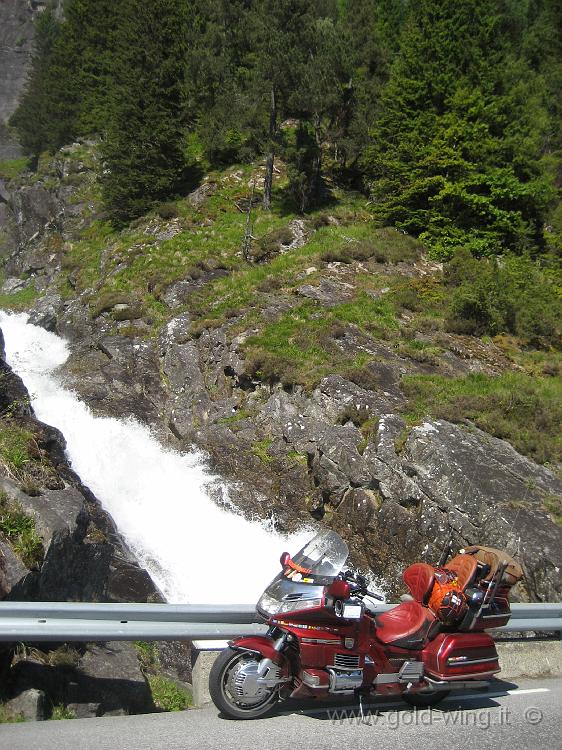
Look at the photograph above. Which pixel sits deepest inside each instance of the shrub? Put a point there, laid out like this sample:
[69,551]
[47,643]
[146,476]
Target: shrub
[394,246]
[271,244]
[363,377]
[61,712]
[167,696]
[409,299]
[512,295]
[167,211]
[108,301]
[337,255]
[319,220]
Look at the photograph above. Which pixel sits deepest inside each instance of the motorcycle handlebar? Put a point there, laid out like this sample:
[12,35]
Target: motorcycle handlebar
[361,584]
[378,597]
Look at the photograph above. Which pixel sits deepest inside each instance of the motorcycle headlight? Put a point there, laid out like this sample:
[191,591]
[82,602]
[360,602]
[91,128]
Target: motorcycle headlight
[299,604]
[268,604]
[273,606]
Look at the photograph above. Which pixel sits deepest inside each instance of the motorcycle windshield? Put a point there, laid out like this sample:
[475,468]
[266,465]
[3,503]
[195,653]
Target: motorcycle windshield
[323,556]
[301,583]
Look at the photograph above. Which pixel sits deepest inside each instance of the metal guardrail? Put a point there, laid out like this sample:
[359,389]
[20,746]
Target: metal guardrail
[69,621]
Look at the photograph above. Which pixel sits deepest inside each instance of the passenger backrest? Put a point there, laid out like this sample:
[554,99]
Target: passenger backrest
[419,579]
[465,568]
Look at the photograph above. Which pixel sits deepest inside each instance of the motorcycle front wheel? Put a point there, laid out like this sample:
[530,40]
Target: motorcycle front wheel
[234,688]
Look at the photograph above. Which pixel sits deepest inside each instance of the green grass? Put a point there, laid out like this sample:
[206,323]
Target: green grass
[20,532]
[7,718]
[553,505]
[20,300]
[241,289]
[526,411]
[302,346]
[12,168]
[83,259]
[147,654]
[61,712]
[167,696]
[297,458]
[15,446]
[261,450]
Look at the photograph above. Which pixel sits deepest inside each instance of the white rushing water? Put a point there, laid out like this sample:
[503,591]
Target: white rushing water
[194,550]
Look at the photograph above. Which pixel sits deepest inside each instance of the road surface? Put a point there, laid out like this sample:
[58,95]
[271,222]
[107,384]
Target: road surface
[523,716]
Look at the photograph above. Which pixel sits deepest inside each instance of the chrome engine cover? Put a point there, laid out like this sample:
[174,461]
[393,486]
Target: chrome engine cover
[345,680]
[247,683]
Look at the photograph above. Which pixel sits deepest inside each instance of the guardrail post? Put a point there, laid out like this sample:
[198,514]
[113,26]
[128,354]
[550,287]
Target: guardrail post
[202,660]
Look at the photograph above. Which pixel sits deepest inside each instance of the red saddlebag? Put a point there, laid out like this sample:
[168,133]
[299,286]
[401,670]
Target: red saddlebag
[457,656]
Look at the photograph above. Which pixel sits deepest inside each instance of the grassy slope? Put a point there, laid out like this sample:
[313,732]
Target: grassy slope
[391,301]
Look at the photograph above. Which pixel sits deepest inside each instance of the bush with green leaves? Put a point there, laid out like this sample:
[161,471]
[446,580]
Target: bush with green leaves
[507,295]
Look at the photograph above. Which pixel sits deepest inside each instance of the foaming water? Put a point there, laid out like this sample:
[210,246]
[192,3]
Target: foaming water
[194,550]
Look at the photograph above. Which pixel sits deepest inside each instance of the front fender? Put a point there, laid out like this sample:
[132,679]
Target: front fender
[258,644]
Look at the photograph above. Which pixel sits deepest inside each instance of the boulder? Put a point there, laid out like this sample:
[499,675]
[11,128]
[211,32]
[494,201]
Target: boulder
[45,312]
[29,705]
[12,570]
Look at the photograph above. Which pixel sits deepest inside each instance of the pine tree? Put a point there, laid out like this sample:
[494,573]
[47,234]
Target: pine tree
[85,52]
[282,33]
[32,117]
[68,90]
[368,58]
[144,147]
[455,152]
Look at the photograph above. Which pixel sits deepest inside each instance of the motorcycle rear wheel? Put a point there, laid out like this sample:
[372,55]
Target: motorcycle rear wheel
[227,692]
[424,700]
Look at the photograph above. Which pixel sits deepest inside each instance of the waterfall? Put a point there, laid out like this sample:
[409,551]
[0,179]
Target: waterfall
[159,498]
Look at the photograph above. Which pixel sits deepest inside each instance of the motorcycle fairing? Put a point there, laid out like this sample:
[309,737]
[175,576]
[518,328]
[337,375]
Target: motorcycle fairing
[258,644]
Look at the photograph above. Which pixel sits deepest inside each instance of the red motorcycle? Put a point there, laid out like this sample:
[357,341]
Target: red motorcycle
[327,638]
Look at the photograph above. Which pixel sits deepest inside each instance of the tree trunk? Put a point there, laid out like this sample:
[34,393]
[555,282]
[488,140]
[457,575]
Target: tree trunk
[317,162]
[268,180]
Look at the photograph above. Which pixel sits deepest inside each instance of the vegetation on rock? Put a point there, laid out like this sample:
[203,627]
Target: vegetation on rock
[19,530]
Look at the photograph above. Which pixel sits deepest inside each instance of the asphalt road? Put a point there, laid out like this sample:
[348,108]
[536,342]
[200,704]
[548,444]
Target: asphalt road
[527,715]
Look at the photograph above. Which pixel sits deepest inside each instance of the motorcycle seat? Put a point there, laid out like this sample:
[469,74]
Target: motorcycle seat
[408,625]
[419,579]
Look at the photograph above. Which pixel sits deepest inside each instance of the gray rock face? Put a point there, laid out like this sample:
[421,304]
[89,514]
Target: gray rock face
[29,705]
[119,375]
[16,38]
[200,195]
[12,570]
[328,292]
[448,475]
[45,312]
[106,679]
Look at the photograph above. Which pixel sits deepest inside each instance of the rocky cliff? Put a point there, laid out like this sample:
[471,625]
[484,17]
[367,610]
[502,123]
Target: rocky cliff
[155,333]
[16,44]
